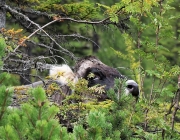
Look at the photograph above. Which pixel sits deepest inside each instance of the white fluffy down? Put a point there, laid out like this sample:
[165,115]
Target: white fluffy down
[62,73]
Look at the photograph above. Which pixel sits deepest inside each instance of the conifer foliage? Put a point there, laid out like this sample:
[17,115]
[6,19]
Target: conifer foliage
[142,34]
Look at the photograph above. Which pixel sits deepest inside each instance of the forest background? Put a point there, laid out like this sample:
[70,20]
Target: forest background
[138,37]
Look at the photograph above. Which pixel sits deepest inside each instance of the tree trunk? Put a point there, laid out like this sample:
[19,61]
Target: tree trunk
[2,14]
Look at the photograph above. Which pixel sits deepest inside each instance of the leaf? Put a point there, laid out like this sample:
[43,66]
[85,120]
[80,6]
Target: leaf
[102,5]
[153,73]
[160,47]
[18,31]
[114,18]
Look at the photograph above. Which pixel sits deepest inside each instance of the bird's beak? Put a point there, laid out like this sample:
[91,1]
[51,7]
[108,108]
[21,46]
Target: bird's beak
[132,88]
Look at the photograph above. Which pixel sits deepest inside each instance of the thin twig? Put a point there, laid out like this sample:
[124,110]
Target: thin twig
[13,11]
[79,36]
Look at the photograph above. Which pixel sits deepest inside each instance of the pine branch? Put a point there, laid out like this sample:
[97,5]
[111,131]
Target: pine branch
[3,108]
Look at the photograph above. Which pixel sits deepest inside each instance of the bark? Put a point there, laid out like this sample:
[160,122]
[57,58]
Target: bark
[2,14]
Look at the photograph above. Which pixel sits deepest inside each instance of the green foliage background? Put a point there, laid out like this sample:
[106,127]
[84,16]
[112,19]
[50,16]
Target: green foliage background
[141,39]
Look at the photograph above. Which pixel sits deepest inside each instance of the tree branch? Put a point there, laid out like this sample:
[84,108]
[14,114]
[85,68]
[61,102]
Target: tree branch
[79,36]
[2,14]
[13,11]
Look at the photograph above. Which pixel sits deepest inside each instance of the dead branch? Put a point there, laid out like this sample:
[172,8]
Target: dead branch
[39,28]
[54,94]
[176,106]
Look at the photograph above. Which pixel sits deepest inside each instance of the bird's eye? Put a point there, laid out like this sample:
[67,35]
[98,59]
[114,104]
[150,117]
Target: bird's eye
[96,77]
[129,86]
